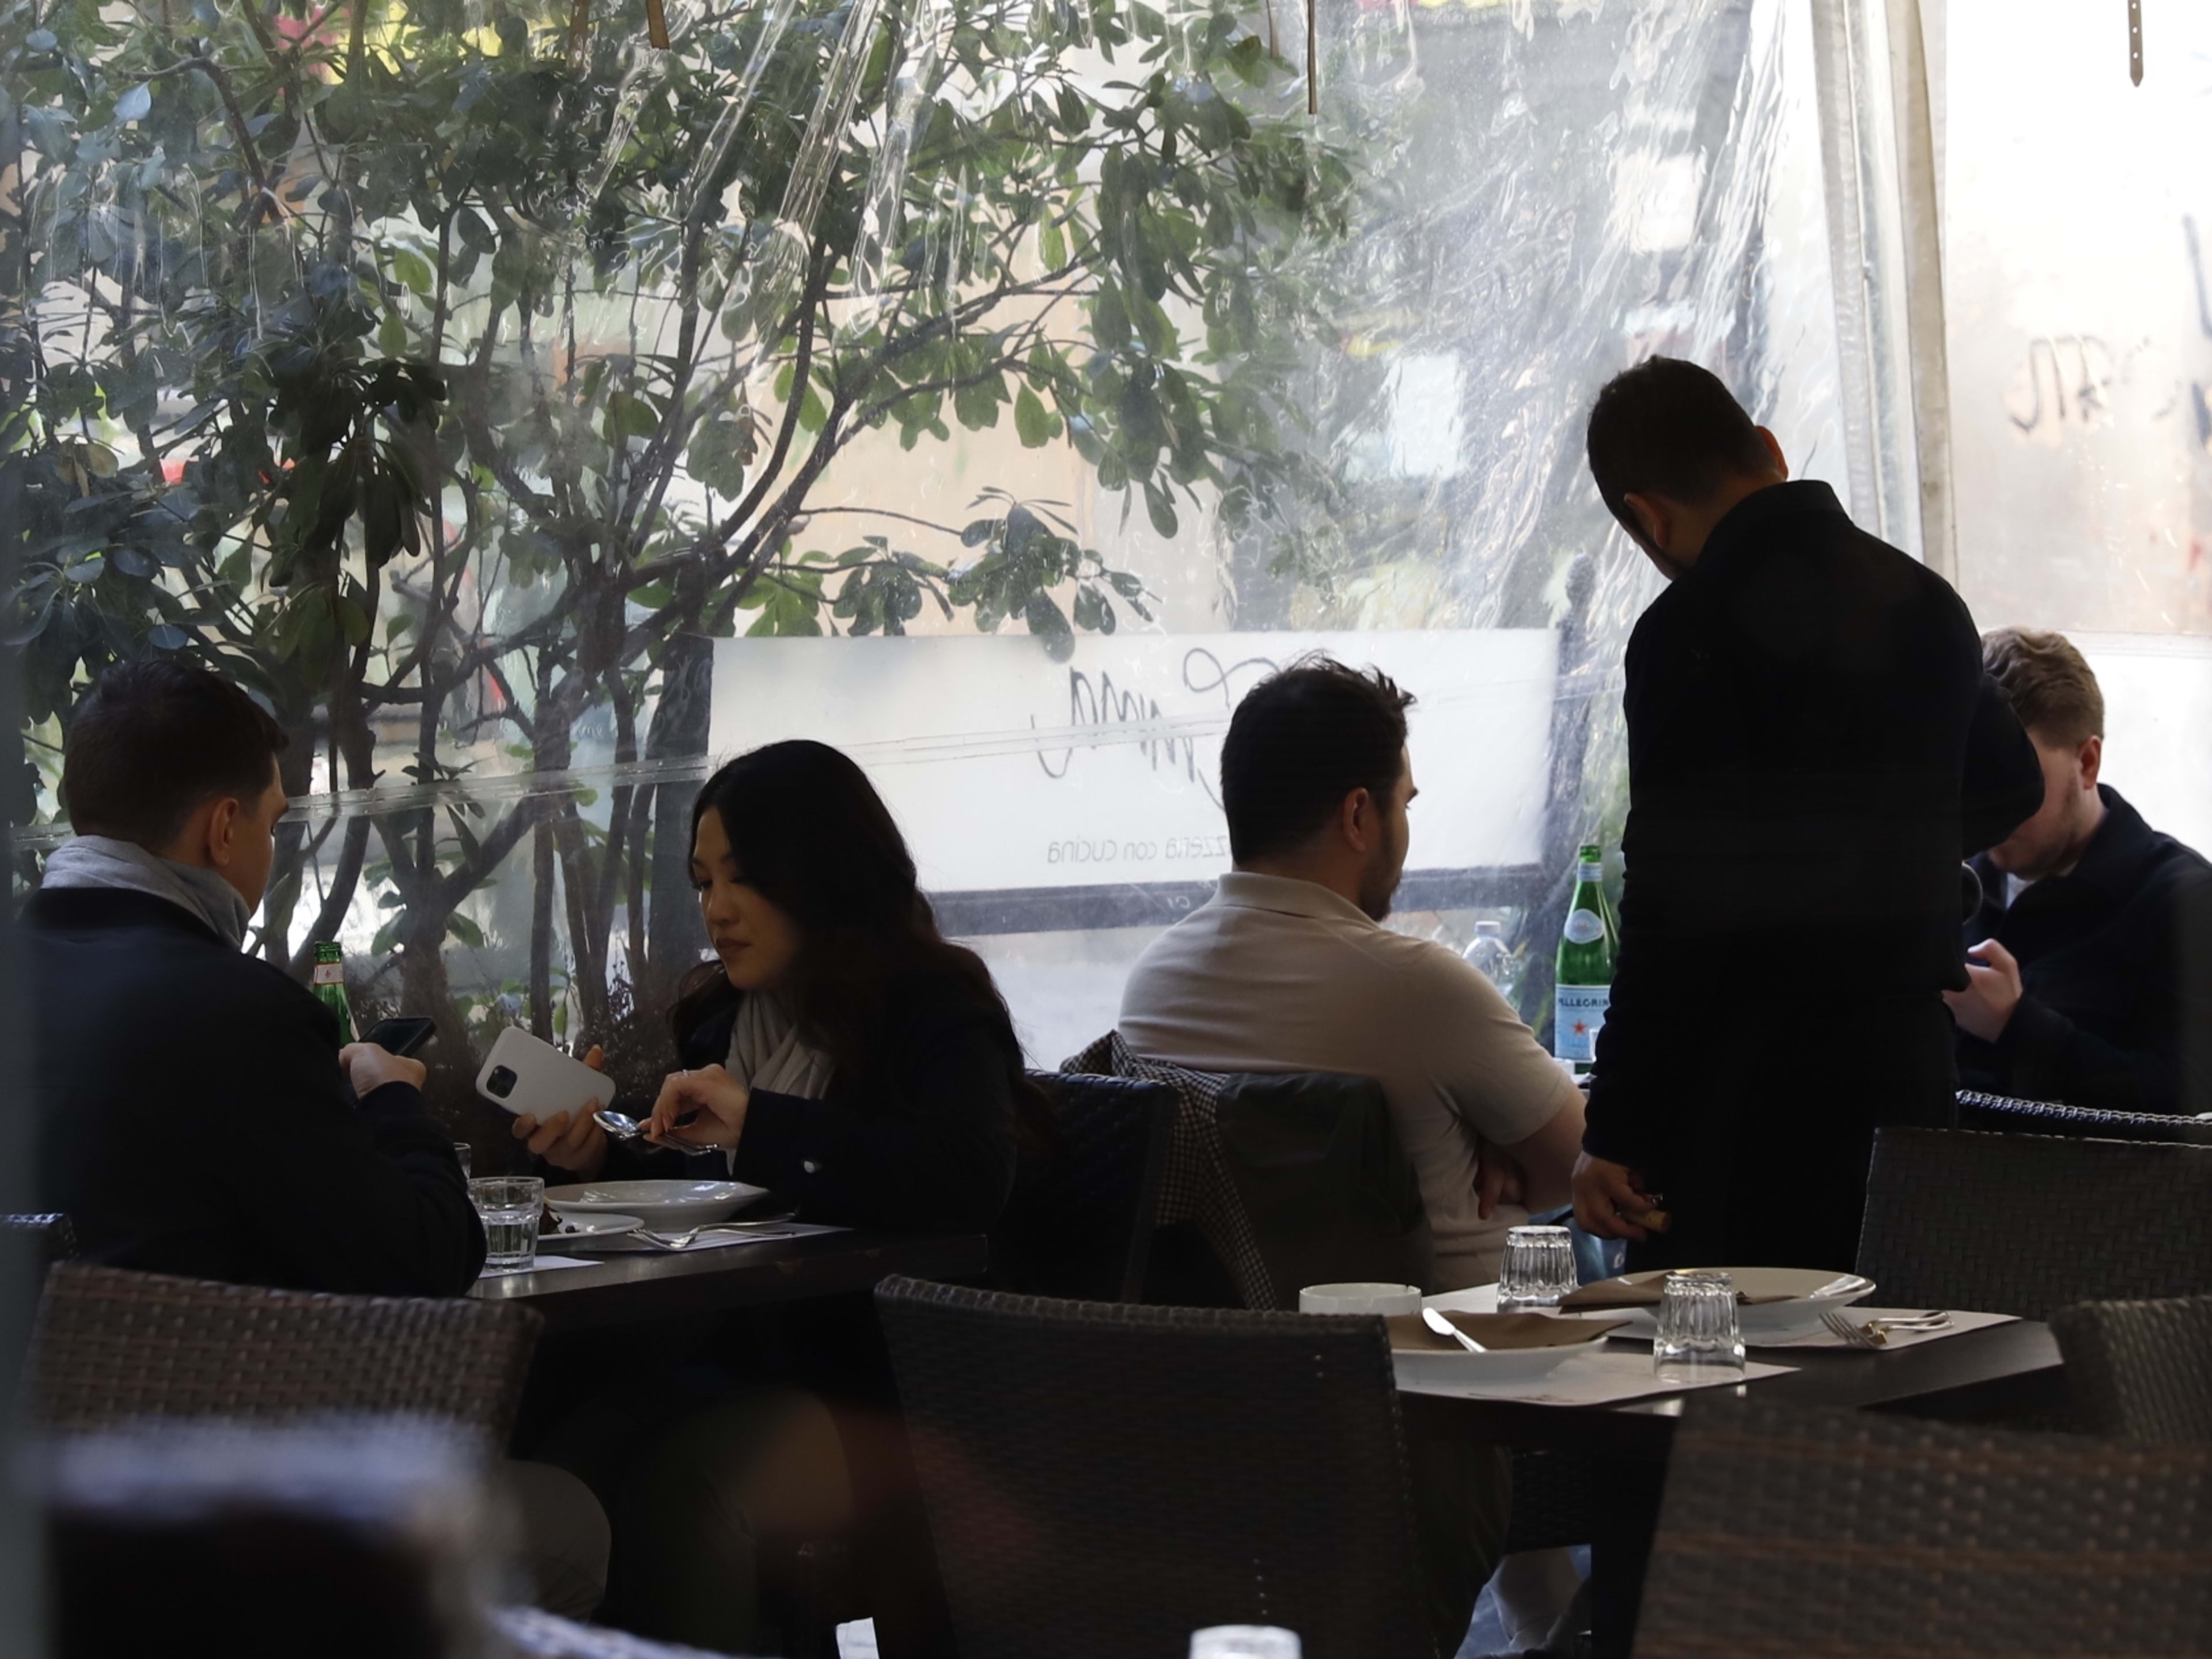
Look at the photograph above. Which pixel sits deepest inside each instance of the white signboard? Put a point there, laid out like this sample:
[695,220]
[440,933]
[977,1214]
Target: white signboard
[1008,770]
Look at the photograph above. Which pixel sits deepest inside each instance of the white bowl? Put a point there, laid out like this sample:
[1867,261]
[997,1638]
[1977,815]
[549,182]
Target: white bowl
[664,1206]
[1360,1298]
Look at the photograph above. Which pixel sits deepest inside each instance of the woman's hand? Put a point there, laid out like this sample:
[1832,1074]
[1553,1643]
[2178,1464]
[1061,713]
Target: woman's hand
[569,1140]
[705,1107]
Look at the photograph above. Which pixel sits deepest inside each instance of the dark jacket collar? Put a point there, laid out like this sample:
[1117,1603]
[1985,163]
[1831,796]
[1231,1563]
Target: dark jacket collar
[2113,862]
[63,908]
[1760,514]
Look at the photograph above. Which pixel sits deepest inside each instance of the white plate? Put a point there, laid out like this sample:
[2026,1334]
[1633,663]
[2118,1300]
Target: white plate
[1769,1322]
[1422,1367]
[577,1224]
[664,1206]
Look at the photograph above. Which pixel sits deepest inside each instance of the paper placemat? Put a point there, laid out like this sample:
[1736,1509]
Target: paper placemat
[1608,1377]
[539,1264]
[1825,1337]
[622,1244]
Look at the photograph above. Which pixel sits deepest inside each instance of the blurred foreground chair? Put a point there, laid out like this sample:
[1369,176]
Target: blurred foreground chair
[2029,1224]
[1083,1228]
[2003,1115]
[1821,1532]
[360,1540]
[2140,1370]
[1103,1479]
[111,1344]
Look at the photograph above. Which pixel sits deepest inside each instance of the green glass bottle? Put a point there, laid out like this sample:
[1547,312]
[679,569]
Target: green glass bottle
[329,985]
[1589,944]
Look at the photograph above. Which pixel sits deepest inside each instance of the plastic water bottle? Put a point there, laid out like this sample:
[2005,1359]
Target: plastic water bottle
[1494,961]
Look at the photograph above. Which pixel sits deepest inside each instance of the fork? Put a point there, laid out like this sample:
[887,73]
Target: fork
[1875,1332]
[679,1241]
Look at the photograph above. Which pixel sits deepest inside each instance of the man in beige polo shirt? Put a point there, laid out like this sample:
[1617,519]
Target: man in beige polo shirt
[1289,968]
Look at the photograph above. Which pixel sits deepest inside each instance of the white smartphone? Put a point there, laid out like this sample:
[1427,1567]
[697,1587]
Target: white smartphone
[524,1074]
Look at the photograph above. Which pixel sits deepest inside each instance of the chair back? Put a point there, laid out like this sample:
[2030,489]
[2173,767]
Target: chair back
[2003,1114]
[110,1345]
[2027,1223]
[1103,1479]
[1083,1228]
[2140,1370]
[55,1238]
[1824,1531]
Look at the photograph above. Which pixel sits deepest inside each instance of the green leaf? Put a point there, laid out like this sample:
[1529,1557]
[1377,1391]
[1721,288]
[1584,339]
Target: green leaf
[460,928]
[1037,427]
[134,105]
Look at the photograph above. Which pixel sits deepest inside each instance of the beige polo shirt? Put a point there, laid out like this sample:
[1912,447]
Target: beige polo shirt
[1272,975]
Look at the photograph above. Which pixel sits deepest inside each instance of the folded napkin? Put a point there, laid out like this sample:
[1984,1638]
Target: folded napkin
[1644,1290]
[1514,1330]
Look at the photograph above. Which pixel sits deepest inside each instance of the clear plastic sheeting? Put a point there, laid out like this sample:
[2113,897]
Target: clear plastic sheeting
[456,376]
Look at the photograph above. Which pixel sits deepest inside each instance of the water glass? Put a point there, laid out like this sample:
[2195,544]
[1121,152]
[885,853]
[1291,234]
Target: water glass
[461,1151]
[1698,1338]
[1538,1268]
[1243,1642]
[509,1206]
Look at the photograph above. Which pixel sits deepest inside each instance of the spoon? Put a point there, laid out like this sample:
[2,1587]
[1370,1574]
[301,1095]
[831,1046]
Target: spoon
[1443,1326]
[622,1126]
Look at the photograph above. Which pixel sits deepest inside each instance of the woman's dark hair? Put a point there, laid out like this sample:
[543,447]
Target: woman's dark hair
[155,741]
[809,832]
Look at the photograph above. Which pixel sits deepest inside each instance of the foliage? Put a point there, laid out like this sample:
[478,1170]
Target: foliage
[448,377]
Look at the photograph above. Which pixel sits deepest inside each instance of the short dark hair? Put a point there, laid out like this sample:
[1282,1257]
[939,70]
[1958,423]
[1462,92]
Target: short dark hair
[1668,428]
[2050,684]
[155,741]
[1300,742]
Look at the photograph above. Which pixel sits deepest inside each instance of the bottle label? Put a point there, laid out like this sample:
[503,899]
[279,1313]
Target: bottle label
[330,973]
[1589,872]
[1584,927]
[1577,1013]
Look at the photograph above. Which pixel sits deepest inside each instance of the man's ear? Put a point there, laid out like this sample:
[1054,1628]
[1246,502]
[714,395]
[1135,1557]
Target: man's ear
[2091,756]
[1658,525]
[1774,452]
[1356,820]
[224,817]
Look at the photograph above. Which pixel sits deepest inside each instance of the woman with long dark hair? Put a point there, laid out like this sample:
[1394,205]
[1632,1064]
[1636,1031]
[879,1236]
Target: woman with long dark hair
[839,1049]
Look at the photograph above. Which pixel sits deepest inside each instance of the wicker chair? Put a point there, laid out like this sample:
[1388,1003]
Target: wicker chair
[1084,1229]
[110,1345]
[2140,1370]
[1831,1533]
[2003,1114]
[56,1239]
[2027,1223]
[1101,1480]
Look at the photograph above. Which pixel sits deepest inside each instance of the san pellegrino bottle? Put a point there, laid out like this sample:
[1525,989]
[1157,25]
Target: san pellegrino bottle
[1589,944]
[329,985]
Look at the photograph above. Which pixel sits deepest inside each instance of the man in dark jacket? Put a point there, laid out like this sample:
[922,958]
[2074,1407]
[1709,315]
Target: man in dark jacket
[1813,748]
[197,1116]
[2088,984]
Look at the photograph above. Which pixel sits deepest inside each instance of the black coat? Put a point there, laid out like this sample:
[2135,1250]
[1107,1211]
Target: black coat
[1812,748]
[2112,958]
[925,1140]
[193,1119]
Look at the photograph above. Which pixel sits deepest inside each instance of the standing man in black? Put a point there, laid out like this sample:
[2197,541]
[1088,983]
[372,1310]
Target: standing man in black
[1813,748]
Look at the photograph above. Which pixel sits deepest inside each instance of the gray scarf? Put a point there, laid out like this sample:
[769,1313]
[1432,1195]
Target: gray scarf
[765,1052]
[103,861]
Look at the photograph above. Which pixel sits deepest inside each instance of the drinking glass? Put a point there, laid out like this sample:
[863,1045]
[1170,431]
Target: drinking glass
[1243,1642]
[509,1206]
[461,1151]
[1698,1337]
[1538,1268]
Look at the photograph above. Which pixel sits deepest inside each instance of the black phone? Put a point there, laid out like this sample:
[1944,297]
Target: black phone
[403,1036]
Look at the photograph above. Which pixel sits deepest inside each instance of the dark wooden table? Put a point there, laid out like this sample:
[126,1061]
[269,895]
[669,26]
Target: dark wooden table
[1999,1371]
[629,1287]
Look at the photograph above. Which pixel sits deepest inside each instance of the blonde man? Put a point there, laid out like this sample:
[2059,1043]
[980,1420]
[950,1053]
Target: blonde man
[2083,989]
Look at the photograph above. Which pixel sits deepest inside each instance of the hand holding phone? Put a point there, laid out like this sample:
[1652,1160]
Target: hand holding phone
[402,1036]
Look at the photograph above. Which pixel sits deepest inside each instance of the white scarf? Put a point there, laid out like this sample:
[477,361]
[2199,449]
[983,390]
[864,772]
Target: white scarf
[765,1052]
[104,861]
